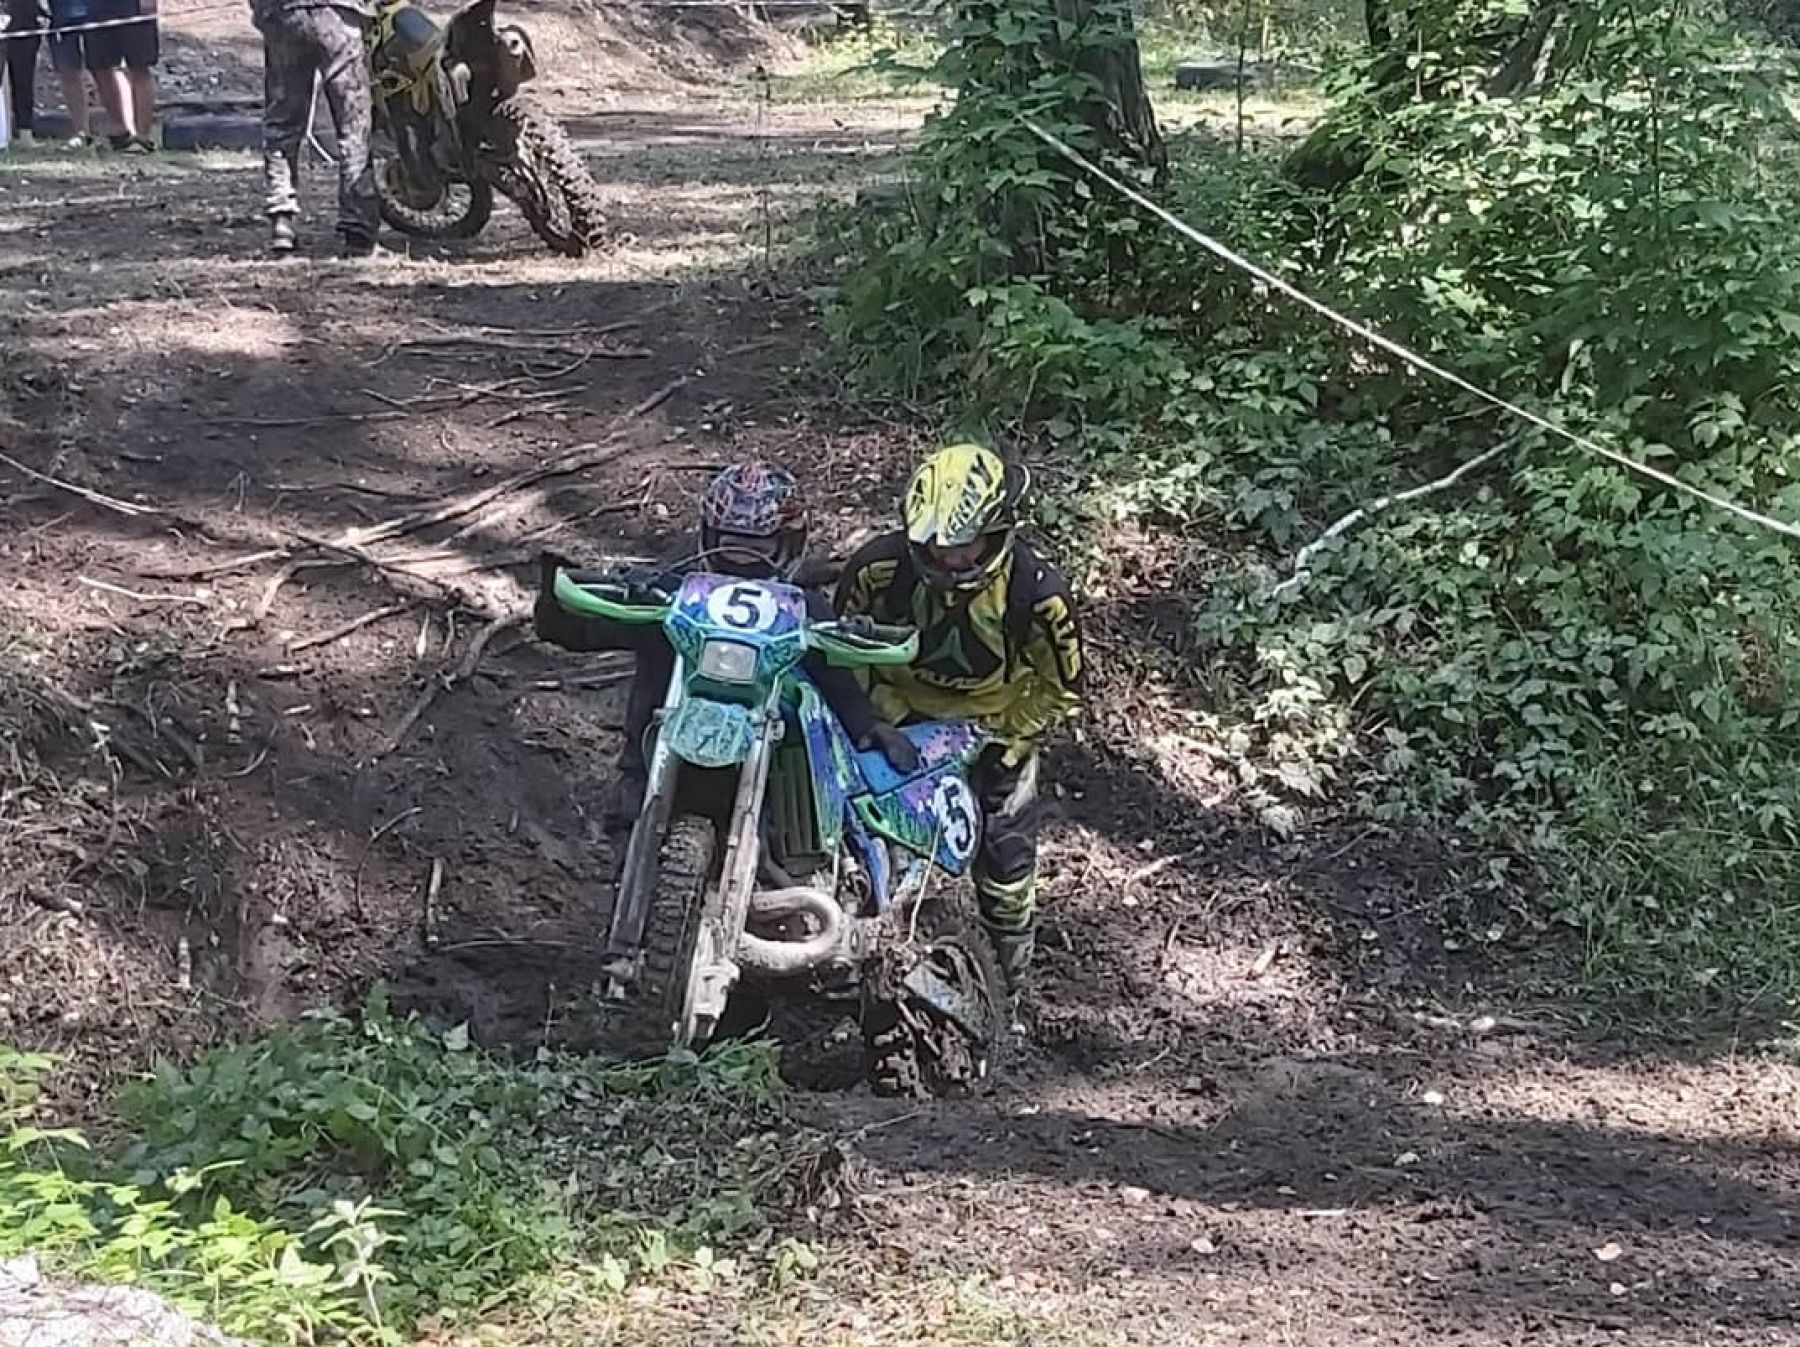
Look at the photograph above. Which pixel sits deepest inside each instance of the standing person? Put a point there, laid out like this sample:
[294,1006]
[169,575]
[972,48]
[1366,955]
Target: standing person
[74,54]
[28,17]
[998,644]
[131,45]
[304,40]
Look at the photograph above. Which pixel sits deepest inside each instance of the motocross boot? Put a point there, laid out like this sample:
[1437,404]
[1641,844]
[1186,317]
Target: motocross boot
[282,238]
[1013,951]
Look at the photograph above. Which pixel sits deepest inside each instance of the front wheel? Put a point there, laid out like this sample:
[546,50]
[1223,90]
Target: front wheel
[547,179]
[461,213]
[419,201]
[659,1009]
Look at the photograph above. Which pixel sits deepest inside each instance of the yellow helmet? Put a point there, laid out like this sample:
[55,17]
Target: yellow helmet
[960,510]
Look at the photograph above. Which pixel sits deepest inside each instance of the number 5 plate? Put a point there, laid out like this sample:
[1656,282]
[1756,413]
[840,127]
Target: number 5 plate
[746,610]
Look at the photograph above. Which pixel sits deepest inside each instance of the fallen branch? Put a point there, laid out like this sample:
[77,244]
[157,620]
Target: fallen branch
[109,588]
[282,576]
[464,671]
[433,887]
[345,628]
[327,419]
[1305,555]
[99,498]
[530,346]
[578,459]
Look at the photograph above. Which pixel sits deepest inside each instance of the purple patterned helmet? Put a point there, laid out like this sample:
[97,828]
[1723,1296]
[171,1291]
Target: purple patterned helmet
[753,520]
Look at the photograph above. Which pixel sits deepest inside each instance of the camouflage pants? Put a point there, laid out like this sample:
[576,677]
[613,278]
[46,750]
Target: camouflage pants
[326,42]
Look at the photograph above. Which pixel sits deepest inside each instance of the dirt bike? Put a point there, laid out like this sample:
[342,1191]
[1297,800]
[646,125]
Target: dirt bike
[771,852]
[452,127]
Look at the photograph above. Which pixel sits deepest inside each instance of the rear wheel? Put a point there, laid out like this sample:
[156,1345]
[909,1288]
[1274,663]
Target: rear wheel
[911,1046]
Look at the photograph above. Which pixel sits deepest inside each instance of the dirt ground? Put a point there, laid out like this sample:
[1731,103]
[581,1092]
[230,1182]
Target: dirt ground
[268,535]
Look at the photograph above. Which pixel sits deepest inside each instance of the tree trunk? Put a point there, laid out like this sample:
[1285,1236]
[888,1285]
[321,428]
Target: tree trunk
[1128,126]
[1096,38]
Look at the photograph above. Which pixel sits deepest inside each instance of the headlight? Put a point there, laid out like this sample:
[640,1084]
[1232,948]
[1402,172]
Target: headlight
[728,661]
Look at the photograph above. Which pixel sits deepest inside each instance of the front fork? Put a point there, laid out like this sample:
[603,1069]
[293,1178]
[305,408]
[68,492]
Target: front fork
[637,878]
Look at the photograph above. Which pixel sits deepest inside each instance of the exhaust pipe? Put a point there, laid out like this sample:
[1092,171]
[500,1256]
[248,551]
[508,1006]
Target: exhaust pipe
[783,957]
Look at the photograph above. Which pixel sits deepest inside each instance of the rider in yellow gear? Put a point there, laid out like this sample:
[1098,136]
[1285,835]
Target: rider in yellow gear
[998,644]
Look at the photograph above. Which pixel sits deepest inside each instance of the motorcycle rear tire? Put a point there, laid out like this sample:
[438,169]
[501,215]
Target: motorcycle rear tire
[548,180]
[898,1058]
[466,224]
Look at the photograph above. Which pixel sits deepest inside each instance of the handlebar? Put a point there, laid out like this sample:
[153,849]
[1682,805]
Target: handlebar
[853,641]
[597,594]
[857,641]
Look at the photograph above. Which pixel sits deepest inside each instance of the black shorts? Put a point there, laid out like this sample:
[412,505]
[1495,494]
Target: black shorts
[136,46]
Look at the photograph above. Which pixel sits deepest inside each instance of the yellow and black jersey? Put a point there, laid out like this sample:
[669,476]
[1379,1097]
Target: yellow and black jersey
[1008,656]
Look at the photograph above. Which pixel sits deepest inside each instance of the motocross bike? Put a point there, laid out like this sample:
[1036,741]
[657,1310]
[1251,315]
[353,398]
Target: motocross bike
[770,852]
[451,127]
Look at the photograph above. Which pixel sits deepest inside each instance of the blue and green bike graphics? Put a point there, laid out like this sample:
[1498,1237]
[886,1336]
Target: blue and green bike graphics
[769,847]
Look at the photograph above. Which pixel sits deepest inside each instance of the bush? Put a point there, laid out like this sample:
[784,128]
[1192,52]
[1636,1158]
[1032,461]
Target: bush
[342,1177]
[1589,670]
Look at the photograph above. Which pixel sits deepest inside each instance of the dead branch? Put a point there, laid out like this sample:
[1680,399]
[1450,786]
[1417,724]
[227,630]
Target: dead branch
[243,563]
[324,419]
[433,887]
[464,671]
[578,459]
[1304,556]
[99,498]
[530,346]
[282,576]
[345,628]
[109,588]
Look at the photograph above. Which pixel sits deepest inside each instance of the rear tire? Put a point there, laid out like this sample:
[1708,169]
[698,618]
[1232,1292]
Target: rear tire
[910,1050]
[463,223]
[547,178]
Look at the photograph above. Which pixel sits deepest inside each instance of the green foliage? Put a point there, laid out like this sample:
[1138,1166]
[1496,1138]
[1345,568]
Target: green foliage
[247,1273]
[394,1171]
[1582,667]
[959,280]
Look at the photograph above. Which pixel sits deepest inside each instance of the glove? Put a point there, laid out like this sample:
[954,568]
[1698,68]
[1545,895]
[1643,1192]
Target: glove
[894,746]
[549,563]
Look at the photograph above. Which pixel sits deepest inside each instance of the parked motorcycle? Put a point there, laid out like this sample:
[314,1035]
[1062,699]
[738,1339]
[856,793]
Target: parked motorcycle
[770,853]
[452,128]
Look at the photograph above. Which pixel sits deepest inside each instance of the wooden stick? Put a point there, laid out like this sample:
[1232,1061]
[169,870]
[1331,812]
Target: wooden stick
[354,624]
[139,595]
[220,567]
[286,573]
[99,498]
[433,886]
